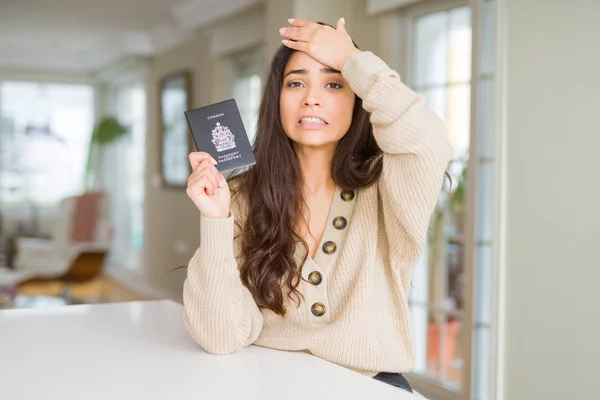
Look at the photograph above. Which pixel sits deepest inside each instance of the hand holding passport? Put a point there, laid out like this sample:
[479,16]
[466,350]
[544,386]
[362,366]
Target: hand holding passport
[218,129]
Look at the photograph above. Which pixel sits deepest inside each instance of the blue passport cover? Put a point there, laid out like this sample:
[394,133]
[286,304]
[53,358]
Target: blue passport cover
[218,129]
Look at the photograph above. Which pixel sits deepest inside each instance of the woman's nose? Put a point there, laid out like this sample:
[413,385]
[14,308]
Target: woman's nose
[312,99]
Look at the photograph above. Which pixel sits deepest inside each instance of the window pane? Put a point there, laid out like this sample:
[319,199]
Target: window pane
[436,100]
[486,135]
[430,45]
[458,119]
[247,87]
[486,202]
[420,328]
[444,356]
[247,94]
[441,71]
[44,137]
[454,354]
[459,46]
[136,114]
[454,292]
[419,284]
[483,289]
[482,362]
[175,146]
[434,353]
[132,112]
[453,105]
[488,36]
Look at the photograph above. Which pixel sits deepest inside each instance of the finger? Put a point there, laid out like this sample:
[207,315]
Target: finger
[222,180]
[209,185]
[297,34]
[300,46]
[201,186]
[213,175]
[341,24]
[218,181]
[210,173]
[197,178]
[198,156]
[301,22]
[204,165]
[204,168]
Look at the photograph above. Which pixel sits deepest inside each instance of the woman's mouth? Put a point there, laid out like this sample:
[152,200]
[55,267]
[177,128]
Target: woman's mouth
[312,122]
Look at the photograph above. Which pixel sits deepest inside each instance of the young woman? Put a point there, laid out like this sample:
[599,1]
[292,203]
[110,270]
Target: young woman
[313,248]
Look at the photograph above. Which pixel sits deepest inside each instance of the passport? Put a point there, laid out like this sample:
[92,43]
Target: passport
[218,130]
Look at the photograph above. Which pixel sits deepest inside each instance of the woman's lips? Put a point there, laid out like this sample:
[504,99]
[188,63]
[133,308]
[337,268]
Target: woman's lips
[311,122]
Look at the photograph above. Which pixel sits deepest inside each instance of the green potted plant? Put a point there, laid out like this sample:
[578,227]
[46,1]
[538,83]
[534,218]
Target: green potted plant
[107,130]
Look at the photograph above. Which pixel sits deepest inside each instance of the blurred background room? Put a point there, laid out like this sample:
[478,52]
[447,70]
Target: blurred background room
[94,144]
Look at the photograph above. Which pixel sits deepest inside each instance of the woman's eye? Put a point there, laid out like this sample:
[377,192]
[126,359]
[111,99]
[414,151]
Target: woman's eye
[294,84]
[334,85]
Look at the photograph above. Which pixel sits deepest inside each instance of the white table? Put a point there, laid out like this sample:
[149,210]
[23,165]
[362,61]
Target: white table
[140,350]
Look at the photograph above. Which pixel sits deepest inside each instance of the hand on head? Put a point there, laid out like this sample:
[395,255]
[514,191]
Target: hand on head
[325,44]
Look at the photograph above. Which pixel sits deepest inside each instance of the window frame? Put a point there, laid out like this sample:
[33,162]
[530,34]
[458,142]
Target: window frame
[400,55]
[253,55]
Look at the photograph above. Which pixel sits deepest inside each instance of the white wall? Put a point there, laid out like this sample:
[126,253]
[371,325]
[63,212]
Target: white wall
[553,200]
[238,33]
[172,224]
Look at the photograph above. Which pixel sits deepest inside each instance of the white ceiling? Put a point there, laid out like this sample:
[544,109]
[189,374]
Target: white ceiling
[87,35]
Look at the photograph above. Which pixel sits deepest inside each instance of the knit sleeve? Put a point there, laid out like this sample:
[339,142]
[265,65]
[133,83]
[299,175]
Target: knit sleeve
[416,153]
[219,311]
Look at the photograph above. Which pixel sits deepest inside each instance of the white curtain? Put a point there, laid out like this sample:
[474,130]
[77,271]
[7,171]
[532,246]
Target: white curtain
[118,170]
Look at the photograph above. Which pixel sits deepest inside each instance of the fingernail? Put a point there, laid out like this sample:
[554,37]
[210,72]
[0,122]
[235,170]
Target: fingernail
[290,20]
[214,161]
[282,31]
[343,20]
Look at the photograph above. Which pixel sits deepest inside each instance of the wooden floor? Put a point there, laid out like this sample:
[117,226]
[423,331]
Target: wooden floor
[100,290]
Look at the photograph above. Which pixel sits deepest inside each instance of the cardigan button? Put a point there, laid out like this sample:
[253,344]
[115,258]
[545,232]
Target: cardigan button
[339,223]
[329,247]
[347,195]
[318,309]
[315,278]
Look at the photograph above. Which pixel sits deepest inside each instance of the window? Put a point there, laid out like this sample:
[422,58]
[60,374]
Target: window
[132,112]
[123,178]
[441,71]
[45,129]
[246,69]
[485,160]
[247,93]
[452,298]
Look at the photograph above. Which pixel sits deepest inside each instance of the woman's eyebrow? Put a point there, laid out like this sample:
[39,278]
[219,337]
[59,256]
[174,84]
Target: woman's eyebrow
[304,71]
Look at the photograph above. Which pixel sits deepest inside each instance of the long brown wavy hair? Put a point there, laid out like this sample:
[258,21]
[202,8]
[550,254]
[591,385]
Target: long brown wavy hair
[273,191]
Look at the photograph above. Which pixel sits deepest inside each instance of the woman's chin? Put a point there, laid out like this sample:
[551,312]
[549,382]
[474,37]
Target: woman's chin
[315,139]
[316,143]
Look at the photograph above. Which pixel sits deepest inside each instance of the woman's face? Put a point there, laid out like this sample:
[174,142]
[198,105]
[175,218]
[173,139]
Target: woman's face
[316,102]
